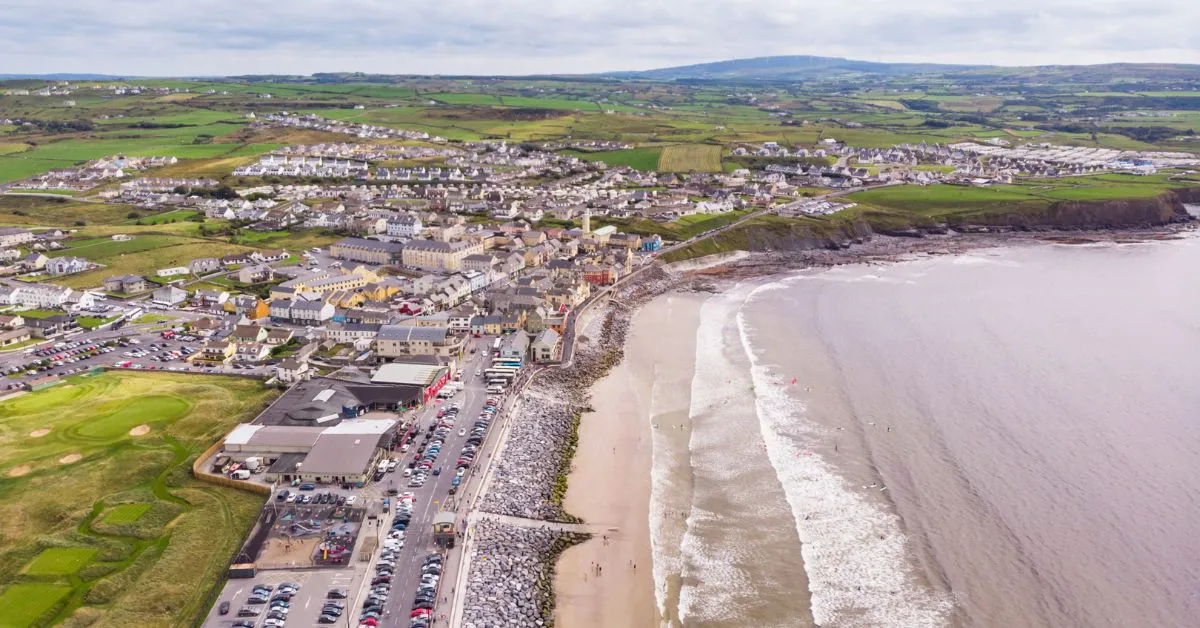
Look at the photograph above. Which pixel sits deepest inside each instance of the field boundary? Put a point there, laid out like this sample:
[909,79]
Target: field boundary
[220,480]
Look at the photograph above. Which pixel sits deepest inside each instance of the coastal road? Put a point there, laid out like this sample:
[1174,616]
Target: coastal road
[434,496]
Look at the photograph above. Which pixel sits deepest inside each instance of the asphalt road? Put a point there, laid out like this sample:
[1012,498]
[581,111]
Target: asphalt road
[434,495]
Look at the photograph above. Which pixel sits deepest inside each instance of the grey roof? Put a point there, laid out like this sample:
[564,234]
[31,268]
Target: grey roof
[407,333]
[546,337]
[370,245]
[341,454]
[314,306]
[436,245]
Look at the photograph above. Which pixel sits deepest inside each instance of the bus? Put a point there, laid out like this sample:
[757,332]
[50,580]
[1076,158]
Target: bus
[495,367]
[499,374]
[512,363]
[496,346]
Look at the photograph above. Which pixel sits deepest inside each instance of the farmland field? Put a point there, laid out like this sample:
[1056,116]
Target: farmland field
[690,157]
[141,256]
[636,158]
[135,541]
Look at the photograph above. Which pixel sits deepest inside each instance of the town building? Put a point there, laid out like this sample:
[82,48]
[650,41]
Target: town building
[407,226]
[14,236]
[514,346]
[169,296]
[59,266]
[301,312]
[291,370]
[546,346]
[429,377]
[436,255]
[367,251]
[394,341]
[125,284]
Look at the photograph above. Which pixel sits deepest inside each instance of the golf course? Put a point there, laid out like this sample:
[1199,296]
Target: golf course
[102,522]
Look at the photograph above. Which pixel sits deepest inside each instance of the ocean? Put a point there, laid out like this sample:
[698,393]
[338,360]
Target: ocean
[1007,437]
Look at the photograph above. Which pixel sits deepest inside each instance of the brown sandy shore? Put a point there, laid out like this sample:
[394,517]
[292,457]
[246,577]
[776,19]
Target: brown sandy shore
[610,481]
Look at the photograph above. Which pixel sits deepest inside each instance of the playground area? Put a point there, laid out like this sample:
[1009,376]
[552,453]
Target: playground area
[295,537]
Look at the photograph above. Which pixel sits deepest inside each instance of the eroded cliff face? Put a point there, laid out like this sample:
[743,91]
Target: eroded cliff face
[1163,209]
[1167,208]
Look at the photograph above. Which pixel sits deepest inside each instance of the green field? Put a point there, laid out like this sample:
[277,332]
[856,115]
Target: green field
[152,318]
[103,524]
[92,322]
[690,158]
[125,513]
[964,203]
[681,229]
[23,604]
[60,561]
[636,158]
[141,256]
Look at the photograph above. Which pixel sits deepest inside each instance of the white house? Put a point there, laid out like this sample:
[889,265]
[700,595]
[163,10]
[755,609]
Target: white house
[171,272]
[39,295]
[67,265]
[169,296]
[291,370]
[407,226]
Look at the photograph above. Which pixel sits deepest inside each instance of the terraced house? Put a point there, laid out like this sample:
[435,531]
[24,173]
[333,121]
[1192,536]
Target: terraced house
[394,341]
[321,283]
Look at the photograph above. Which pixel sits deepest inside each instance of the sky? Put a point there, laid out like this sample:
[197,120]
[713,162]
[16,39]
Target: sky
[229,37]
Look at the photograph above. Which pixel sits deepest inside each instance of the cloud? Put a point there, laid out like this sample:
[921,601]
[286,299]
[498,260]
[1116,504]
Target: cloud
[222,37]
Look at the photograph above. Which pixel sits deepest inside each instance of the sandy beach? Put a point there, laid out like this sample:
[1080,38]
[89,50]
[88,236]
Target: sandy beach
[611,480]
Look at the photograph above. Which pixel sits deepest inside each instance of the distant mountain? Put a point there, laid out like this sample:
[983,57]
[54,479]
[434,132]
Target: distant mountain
[791,68]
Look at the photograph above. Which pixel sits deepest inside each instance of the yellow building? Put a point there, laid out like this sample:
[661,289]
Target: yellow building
[436,255]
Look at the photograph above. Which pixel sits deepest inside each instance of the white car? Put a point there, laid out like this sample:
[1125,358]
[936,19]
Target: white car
[351,499]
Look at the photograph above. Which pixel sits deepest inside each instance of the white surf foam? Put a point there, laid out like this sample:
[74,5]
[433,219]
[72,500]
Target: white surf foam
[709,576]
[854,552]
[663,462]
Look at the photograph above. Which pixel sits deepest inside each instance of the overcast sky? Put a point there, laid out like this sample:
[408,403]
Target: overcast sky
[224,37]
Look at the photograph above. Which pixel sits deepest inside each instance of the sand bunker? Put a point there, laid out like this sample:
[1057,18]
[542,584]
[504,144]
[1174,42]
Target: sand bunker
[17,472]
[140,430]
[70,458]
[39,433]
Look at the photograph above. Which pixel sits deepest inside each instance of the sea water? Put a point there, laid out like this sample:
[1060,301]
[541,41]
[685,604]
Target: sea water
[1005,438]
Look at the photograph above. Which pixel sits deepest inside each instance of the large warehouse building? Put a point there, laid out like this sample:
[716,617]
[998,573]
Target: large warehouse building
[343,453]
[428,377]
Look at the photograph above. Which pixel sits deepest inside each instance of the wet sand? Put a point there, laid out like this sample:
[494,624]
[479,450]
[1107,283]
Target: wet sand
[610,483]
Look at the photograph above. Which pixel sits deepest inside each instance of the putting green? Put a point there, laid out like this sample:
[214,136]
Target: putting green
[24,603]
[160,540]
[60,561]
[119,417]
[125,513]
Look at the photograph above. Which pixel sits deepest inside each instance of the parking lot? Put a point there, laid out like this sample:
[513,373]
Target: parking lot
[127,348]
[304,607]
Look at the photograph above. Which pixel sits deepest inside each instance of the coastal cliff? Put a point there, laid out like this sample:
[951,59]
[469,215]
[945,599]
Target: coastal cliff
[1163,209]
[770,233]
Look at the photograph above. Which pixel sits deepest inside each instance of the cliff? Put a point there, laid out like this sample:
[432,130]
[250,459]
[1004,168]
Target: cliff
[771,233]
[1163,209]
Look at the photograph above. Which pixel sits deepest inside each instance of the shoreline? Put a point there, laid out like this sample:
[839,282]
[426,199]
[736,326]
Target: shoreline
[559,399]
